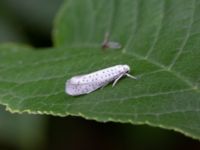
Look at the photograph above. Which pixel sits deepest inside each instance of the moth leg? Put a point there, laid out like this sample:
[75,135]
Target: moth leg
[130,76]
[116,80]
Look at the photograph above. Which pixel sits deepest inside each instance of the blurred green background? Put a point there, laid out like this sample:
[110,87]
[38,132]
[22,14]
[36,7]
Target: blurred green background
[31,22]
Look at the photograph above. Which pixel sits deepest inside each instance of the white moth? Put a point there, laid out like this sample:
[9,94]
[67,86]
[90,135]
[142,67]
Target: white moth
[84,84]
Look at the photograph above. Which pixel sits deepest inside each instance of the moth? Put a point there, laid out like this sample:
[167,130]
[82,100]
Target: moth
[85,84]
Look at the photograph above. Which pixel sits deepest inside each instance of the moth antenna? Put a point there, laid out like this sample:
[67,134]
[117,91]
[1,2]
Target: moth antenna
[130,76]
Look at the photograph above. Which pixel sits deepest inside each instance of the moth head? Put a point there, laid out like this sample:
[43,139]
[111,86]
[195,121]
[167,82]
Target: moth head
[126,68]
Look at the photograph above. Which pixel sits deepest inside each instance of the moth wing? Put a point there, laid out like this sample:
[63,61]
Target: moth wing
[77,79]
[84,88]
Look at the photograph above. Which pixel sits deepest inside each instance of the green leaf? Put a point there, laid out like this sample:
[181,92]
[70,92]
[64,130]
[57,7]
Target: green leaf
[160,42]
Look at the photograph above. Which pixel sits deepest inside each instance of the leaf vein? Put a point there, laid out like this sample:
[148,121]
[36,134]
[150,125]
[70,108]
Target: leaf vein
[157,32]
[185,39]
